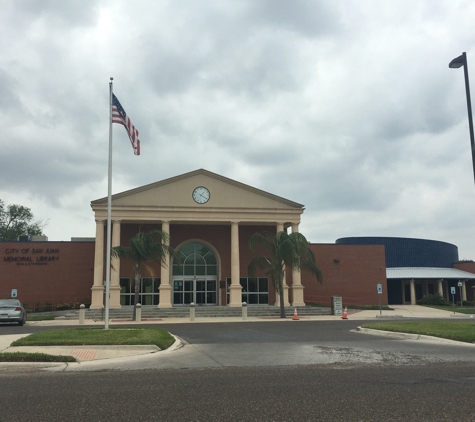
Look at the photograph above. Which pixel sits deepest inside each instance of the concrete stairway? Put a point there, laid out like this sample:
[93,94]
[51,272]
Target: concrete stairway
[152,312]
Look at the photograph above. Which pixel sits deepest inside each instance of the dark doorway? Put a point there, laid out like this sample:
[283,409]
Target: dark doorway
[394,292]
[430,289]
[407,293]
[418,291]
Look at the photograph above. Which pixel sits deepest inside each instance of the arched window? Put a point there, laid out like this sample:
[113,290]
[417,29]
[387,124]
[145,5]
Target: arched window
[197,259]
[195,278]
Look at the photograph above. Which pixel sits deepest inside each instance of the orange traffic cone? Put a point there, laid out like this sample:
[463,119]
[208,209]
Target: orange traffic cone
[295,317]
[345,313]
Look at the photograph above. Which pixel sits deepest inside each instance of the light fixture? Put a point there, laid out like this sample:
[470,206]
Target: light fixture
[455,64]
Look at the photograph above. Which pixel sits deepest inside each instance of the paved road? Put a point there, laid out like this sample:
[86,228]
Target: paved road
[287,343]
[442,392]
[270,371]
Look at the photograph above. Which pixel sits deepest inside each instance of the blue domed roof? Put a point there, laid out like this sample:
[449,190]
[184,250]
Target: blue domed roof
[409,252]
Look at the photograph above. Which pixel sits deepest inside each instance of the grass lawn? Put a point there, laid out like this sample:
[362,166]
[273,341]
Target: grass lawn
[86,336]
[464,310]
[453,330]
[98,336]
[41,318]
[34,357]
[372,308]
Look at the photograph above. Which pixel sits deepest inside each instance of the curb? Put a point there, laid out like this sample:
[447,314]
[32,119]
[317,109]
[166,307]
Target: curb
[390,316]
[409,336]
[61,365]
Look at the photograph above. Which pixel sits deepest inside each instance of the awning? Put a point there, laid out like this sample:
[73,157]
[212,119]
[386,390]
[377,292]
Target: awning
[409,273]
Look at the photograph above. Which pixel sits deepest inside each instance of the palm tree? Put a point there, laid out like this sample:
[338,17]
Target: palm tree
[144,248]
[282,250]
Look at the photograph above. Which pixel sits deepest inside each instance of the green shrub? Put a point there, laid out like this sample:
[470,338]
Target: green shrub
[435,299]
[464,303]
[63,306]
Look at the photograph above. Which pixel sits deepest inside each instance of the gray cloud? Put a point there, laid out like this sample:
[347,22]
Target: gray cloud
[348,108]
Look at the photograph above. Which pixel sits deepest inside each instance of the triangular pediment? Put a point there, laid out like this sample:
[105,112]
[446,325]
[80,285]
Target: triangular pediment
[178,192]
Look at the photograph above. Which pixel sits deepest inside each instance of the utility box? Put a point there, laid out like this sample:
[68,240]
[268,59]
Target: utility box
[337,305]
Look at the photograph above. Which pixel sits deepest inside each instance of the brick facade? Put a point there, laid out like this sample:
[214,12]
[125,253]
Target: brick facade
[350,271]
[62,272]
[47,271]
[468,266]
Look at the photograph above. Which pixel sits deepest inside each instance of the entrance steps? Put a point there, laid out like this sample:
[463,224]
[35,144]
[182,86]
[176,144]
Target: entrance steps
[153,312]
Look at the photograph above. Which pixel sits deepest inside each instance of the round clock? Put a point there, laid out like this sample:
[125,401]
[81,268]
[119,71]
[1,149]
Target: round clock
[201,195]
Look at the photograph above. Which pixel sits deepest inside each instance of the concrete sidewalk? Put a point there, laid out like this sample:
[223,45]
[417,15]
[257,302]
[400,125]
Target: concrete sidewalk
[88,353]
[408,311]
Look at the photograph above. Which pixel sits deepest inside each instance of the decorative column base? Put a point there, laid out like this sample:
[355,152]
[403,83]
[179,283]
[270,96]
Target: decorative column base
[97,297]
[235,296]
[297,295]
[286,297]
[114,301]
[165,296]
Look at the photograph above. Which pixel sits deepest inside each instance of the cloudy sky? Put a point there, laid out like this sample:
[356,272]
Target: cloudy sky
[348,107]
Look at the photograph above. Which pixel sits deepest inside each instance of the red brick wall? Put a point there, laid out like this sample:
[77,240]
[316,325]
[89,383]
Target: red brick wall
[465,266]
[469,285]
[68,274]
[47,271]
[354,277]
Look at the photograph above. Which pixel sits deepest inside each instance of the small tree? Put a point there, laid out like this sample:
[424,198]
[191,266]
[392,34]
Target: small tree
[144,248]
[281,250]
[16,220]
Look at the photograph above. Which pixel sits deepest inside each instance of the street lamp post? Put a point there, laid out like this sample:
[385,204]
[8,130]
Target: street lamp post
[455,64]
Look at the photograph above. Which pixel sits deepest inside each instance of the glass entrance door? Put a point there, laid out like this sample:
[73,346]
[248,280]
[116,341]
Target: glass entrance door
[195,277]
[201,291]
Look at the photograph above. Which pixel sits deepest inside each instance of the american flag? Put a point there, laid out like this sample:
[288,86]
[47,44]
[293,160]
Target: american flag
[120,116]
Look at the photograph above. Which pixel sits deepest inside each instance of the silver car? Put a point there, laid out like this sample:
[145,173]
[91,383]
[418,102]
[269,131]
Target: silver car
[11,310]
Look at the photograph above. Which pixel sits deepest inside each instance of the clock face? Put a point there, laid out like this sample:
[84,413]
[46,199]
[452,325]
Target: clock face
[201,195]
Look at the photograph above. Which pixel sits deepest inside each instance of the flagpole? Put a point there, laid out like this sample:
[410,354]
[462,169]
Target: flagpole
[109,207]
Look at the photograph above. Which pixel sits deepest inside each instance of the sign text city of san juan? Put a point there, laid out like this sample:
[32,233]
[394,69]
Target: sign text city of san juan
[31,256]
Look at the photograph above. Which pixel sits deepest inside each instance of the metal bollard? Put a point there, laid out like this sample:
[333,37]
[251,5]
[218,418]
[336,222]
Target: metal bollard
[82,314]
[138,313]
[244,311]
[192,311]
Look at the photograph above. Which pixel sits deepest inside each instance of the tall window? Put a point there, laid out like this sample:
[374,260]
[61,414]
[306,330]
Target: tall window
[149,293]
[255,290]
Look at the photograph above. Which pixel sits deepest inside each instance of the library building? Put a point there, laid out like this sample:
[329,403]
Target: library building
[209,219]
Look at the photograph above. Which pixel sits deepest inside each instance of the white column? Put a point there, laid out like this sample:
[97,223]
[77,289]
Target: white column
[165,287]
[464,291]
[297,288]
[439,288]
[280,228]
[97,295]
[115,270]
[413,293]
[235,289]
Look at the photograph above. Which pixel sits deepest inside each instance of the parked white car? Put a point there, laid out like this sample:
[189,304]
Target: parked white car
[12,310]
